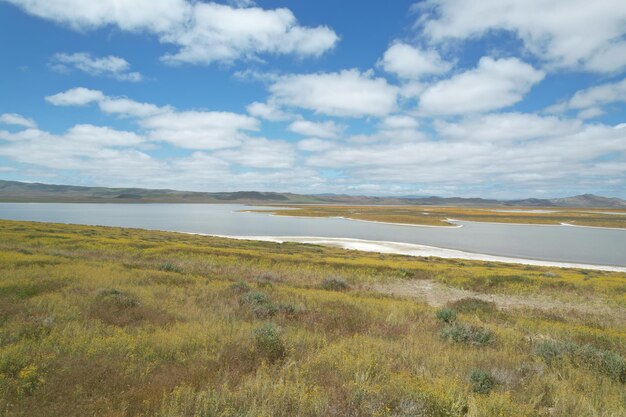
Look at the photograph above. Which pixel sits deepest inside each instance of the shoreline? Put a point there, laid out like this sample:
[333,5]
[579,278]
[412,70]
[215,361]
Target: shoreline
[411,249]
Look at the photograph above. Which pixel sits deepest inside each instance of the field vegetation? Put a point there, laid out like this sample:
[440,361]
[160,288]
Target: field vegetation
[99,321]
[438,216]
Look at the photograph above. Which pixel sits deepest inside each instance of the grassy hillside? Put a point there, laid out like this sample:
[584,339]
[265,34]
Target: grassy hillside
[124,322]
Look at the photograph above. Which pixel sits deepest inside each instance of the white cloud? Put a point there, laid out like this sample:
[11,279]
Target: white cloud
[222,33]
[327,130]
[261,153]
[186,129]
[565,33]
[590,100]
[505,127]
[599,95]
[409,62]
[493,84]
[78,96]
[590,113]
[315,145]
[400,122]
[131,108]
[102,135]
[347,93]
[108,66]
[199,129]
[203,32]
[17,120]
[544,158]
[267,111]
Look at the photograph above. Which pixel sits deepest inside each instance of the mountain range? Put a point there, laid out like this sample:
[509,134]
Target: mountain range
[15,191]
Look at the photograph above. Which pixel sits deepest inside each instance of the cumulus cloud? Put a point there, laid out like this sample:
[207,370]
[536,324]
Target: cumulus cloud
[267,111]
[108,66]
[78,96]
[564,33]
[590,101]
[261,153]
[185,129]
[17,120]
[545,158]
[348,93]
[328,129]
[493,84]
[504,127]
[199,129]
[410,62]
[315,145]
[203,32]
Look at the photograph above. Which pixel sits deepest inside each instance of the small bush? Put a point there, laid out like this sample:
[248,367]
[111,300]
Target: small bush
[269,343]
[169,267]
[482,381]
[446,315]
[334,284]
[254,298]
[461,333]
[259,303]
[598,360]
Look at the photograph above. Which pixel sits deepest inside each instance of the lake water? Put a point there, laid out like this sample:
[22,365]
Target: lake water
[548,243]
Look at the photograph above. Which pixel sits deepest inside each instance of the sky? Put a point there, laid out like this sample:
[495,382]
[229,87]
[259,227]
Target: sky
[496,98]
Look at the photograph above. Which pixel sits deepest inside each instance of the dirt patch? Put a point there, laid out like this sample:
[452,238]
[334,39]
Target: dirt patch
[438,295]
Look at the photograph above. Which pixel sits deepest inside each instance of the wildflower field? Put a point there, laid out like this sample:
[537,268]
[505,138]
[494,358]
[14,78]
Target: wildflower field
[100,321]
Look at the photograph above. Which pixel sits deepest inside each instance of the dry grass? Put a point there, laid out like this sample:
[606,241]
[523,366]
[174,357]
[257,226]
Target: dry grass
[437,215]
[122,322]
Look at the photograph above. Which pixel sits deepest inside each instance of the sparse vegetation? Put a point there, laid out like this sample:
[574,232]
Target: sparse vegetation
[439,215]
[92,324]
[334,284]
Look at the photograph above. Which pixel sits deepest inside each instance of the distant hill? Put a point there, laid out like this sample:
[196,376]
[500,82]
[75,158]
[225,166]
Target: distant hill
[15,191]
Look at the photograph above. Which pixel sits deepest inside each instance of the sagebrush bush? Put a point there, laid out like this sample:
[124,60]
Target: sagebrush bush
[259,303]
[586,356]
[462,333]
[446,315]
[169,267]
[269,343]
[334,284]
[482,381]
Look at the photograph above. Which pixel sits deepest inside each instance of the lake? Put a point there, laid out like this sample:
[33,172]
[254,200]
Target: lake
[547,243]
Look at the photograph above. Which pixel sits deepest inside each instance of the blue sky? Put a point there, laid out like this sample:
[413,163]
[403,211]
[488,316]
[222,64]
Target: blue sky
[498,98]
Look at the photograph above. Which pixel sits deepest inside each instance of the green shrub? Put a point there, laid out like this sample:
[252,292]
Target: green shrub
[587,356]
[169,267]
[482,381]
[269,343]
[446,315]
[254,298]
[334,284]
[462,333]
[259,303]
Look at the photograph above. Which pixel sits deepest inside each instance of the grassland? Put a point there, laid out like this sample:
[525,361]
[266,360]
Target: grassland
[123,322]
[438,216]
